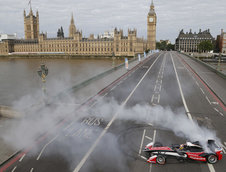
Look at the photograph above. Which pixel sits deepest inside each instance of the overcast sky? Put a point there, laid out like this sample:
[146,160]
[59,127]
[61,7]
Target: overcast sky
[101,15]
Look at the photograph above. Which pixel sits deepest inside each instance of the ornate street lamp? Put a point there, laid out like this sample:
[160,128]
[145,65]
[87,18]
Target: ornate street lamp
[43,72]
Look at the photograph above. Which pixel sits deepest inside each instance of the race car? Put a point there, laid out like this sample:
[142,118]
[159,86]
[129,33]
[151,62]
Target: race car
[157,153]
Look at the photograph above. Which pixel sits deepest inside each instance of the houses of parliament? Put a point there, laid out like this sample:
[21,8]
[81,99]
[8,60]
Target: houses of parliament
[76,44]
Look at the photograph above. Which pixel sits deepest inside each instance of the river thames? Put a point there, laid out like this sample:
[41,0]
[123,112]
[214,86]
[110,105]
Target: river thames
[19,77]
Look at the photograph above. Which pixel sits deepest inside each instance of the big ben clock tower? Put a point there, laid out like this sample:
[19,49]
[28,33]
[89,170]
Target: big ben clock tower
[151,26]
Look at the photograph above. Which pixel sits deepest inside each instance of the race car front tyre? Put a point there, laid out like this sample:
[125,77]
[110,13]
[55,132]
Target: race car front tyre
[212,159]
[161,160]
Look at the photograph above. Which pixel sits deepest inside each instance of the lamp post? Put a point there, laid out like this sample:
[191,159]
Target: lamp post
[43,72]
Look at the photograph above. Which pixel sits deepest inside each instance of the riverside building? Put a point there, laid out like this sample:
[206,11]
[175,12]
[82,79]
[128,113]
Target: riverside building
[188,42]
[75,44]
[223,42]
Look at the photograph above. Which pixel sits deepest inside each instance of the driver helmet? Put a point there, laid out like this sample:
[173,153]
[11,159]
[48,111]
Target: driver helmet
[181,147]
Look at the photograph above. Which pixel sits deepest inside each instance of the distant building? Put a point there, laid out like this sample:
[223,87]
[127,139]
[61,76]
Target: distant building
[167,41]
[110,43]
[223,42]
[188,42]
[8,36]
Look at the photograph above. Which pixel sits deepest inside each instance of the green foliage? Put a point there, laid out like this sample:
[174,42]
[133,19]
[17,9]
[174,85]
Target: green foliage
[205,46]
[164,46]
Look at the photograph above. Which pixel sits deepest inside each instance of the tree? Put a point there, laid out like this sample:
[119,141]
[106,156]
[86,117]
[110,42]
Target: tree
[164,46]
[205,46]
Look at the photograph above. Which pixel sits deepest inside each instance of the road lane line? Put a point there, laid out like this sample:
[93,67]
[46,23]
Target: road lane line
[155,88]
[216,109]
[68,126]
[203,83]
[149,138]
[208,100]
[144,158]
[84,159]
[197,83]
[202,90]
[22,158]
[154,136]
[142,142]
[45,147]
[158,98]
[32,170]
[14,169]
[221,114]
[223,147]
[152,99]
[211,168]
[181,92]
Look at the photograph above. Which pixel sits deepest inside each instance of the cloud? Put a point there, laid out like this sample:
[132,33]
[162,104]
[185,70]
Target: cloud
[96,17]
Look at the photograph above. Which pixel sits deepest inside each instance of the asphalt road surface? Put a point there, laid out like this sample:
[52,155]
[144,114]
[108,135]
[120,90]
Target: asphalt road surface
[110,133]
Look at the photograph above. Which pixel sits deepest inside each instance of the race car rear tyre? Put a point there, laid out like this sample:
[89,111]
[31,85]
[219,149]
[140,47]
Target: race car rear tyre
[161,160]
[212,159]
[158,144]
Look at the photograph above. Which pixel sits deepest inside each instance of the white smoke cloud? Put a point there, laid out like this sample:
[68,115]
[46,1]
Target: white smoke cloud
[37,121]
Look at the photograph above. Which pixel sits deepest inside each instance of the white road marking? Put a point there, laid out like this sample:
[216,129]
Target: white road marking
[216,109]
[215,103]
[113,88]
[68,126]
[14,169]
[45,147]
[150,124]
[159,98]
[223,148]
[154,136]
[221,114]
[155,88]
[211,168]
[152,98]
[84,159]
[142,142]
[22,157]
[208,100]
[197,83]
[181,92]
[143,157]
[202,90]
[31,169]
[149,138]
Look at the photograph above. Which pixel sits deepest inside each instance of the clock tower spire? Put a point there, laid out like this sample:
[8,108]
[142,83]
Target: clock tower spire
[151,28]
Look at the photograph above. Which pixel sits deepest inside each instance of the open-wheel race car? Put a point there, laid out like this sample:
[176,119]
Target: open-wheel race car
[157,153]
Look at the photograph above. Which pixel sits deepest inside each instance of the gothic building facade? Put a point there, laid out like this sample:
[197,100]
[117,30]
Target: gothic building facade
[188,42]
[76,44]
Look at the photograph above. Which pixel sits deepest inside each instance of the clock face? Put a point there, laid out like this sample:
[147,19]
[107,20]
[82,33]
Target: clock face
[151,19]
